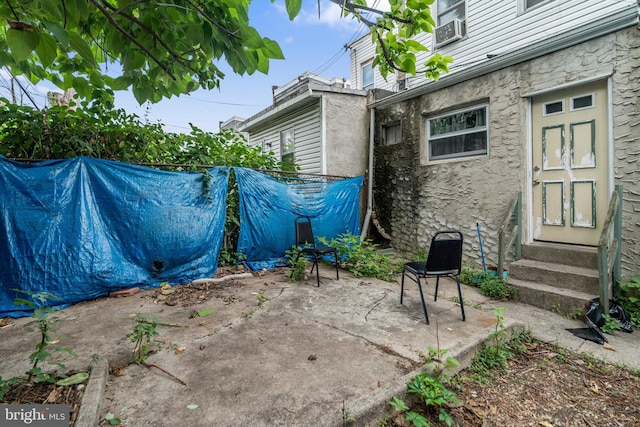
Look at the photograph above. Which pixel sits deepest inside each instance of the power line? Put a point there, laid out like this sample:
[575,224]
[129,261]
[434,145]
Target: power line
[226,103]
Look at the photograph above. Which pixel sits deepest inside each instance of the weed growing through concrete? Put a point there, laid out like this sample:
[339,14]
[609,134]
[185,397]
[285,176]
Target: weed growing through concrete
[361,257]
[42,313]
[489,283]
[143,331]
[610,324]
[497,350]
[298,265]
[432,389]
[261,298]
[629,298]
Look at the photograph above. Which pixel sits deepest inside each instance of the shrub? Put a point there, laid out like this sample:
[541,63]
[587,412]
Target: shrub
[297,263]
[361,258]
[490,285]
[629,298]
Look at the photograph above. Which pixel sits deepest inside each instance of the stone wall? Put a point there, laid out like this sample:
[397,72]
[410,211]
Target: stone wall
[626,134]
[414,199]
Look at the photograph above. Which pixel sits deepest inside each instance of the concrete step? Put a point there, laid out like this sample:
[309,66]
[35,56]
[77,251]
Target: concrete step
[566,302]
[555,275]
[578,256]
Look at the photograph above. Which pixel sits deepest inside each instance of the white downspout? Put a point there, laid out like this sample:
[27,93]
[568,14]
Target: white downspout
[367,217]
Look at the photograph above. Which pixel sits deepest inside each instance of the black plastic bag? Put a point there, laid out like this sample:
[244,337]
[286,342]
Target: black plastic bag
[595,321]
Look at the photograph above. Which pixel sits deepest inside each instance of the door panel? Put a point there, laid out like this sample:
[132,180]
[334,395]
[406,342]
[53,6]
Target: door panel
[570,164]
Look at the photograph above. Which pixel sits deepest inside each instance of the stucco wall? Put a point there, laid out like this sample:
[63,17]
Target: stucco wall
[415,199]
[347,134]
[626,134]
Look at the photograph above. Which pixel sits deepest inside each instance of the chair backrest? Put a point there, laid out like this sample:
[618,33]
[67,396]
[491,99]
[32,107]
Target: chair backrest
[445,252]
[304,233]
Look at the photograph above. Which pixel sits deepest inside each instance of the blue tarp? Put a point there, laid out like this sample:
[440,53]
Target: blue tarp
[268,208]
[83,227]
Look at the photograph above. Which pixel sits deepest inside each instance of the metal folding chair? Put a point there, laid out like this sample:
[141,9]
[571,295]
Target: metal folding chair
[444,259]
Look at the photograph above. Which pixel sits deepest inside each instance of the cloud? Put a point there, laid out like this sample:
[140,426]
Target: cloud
[330,15]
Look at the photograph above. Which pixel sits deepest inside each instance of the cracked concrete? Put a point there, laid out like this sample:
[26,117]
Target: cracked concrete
[281,353]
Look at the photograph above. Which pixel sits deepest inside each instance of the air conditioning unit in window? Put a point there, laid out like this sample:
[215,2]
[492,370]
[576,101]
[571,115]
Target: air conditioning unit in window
[450,32]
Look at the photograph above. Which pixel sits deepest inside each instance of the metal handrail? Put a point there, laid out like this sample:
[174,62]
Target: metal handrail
[509,235]
[609,249]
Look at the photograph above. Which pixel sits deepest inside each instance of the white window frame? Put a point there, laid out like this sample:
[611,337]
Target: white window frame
[286,134]
[544,108]
[523,8]
[439,13]
[593,101]
[371,85]
[462,155]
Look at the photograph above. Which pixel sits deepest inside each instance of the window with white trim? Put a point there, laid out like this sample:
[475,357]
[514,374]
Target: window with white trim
[367,76]
[530,4]
[287,146]
[448,10]
[463,133]
[553,107]
[583,102]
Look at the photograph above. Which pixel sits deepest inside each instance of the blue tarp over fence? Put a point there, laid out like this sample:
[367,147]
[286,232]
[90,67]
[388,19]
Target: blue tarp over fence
[268,208]
[83,227]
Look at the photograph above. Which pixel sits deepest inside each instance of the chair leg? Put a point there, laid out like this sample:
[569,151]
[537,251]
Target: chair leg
[435,298]
[317,266]
[460,297]
[424,306]
[402,287]
[337,275]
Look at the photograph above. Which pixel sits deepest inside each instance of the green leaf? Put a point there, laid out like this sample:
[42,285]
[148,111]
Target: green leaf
[293,8]
[273,48]
[263,63]
[192,406]
[112,419]
[205,312]
[82,48]
[78,378]
[47,49]
[58,32]
[52,7]
[120,83]
[21,43]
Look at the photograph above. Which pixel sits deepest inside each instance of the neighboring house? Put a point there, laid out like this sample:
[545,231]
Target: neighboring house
[232,123]
[543,98]
[320,124]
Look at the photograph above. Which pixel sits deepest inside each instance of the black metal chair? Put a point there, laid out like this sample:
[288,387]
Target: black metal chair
[444,259]
[306,243]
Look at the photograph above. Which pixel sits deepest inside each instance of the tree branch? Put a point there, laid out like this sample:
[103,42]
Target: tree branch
[133,39]
[211,21]
[15,15]
[133,3]
[64,12]
[385,52]
[174,55]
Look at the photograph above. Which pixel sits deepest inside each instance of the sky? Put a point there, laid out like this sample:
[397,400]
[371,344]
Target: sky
[308,43]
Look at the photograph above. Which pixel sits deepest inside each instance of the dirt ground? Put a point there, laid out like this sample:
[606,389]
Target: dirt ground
[549,387]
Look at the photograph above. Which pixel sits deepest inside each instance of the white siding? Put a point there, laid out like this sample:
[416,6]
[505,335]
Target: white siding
[496,27]
[307,137]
